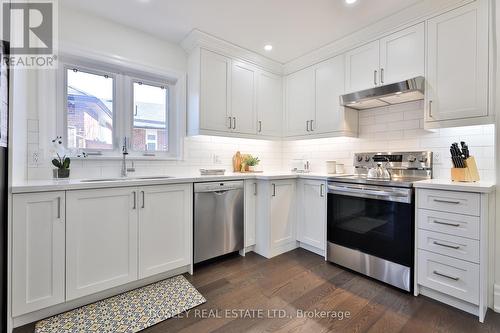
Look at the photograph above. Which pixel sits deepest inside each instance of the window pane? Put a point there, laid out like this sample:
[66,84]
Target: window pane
[90,110]
[150,128]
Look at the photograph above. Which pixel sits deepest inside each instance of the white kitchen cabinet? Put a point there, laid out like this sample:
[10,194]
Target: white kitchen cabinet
[101,240]
[402,55]
[276,217]
[300,102]
[311,214]
[165,228]
[215,80]
[457,67]
[269,104]
[362,67]
[38,242]
[243,90]
[330,116]
[250,211]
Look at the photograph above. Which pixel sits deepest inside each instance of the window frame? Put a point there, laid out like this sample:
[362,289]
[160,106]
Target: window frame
[94,71]
[124,73]
[129,124]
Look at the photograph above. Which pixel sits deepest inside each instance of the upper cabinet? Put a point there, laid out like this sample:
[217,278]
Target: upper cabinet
[232,97]
[402,55]
[362,67]
[394,58]
[313,102]
[457,67]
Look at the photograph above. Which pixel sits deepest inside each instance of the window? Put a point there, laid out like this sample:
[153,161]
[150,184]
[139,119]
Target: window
[89,110]
[150,127]
[104,103]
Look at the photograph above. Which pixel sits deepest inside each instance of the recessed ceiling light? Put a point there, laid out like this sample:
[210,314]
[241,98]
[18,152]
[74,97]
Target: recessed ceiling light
[268,47]
[350,2]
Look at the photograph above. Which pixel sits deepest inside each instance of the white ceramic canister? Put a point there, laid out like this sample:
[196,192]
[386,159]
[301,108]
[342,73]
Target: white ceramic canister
[331,167]
[340,168]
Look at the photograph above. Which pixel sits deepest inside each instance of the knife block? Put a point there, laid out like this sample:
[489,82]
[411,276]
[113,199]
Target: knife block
[467,174]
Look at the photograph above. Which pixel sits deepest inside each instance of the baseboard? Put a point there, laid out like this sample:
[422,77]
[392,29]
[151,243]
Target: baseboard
[312,249]
[63,307]
[496,298]
[452,301]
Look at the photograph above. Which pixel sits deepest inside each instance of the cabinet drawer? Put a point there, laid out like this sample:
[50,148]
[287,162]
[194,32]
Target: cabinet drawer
[449,201]
[449,223]
[453,246]
[450,276]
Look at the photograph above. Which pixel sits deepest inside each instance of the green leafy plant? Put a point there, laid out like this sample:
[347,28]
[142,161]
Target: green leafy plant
[251,161]
[61,162]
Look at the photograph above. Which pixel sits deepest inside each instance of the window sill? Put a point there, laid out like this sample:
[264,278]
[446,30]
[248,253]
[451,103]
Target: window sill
[129,158]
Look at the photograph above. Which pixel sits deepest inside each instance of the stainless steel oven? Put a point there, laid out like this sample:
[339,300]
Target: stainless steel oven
[371,222]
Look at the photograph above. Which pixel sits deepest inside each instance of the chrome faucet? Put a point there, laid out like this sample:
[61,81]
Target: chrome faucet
[124,161]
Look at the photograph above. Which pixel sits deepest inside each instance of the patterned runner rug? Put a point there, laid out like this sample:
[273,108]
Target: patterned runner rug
[129,312]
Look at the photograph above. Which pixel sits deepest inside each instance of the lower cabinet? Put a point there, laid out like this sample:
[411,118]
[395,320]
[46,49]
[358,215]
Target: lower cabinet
[311,213]
[165,228]
[101,240]
[276,210]
[250,212]
[37,251]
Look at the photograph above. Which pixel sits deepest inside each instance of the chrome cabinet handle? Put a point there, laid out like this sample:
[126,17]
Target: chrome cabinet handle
[381,75]
[455,247]
[375,77]
[58,207]
[274,190]
[446,223]
[322,190]
[234,122]
[446,276]
[430,108]
[447,201]
[307,125]
[260,126]
[143,199]
[312,127]
[254,188]
[230,122]
[135,200]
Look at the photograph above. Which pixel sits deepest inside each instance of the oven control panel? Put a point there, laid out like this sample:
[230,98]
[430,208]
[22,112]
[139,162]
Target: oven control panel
[416,160]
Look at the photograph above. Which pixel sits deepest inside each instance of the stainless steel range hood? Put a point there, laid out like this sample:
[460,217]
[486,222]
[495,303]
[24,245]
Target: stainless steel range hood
[389,94]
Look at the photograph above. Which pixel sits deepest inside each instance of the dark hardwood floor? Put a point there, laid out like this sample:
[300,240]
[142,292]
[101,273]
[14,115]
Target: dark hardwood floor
[300,280]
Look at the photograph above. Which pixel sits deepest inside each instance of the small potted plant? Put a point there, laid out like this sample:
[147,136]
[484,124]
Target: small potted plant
[62,161]
[251,162]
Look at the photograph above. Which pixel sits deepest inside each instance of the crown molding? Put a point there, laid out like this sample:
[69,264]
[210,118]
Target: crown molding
[197,38]
[405,18]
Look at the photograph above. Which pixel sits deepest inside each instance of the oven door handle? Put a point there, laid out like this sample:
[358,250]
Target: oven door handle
[380,193]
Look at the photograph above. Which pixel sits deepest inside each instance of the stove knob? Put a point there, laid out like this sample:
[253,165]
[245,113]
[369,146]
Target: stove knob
[423,159]
[360,158]
[367,158]
[411,158]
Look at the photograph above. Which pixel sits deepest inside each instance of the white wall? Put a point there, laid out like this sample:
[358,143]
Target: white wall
[397,128]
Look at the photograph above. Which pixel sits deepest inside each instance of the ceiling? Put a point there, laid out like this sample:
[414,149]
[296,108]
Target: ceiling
[293,27]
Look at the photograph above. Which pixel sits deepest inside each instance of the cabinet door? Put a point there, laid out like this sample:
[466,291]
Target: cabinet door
[329,88]
[38,223]
[243,89]
[457,64]
[282,212]
[362,67]
[402,55]
[165,228]
[250,213]
[215,80]
[312,213]
[269,105]
[299,102]
[101,240]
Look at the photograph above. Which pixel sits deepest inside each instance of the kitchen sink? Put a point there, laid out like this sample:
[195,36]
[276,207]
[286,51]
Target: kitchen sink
[95,180]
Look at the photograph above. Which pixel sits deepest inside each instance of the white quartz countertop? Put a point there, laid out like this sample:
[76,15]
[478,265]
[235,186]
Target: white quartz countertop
[449,185]
[77,184]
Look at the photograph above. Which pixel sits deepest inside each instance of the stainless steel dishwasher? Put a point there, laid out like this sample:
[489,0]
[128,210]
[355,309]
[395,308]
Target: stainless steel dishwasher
[218,219]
